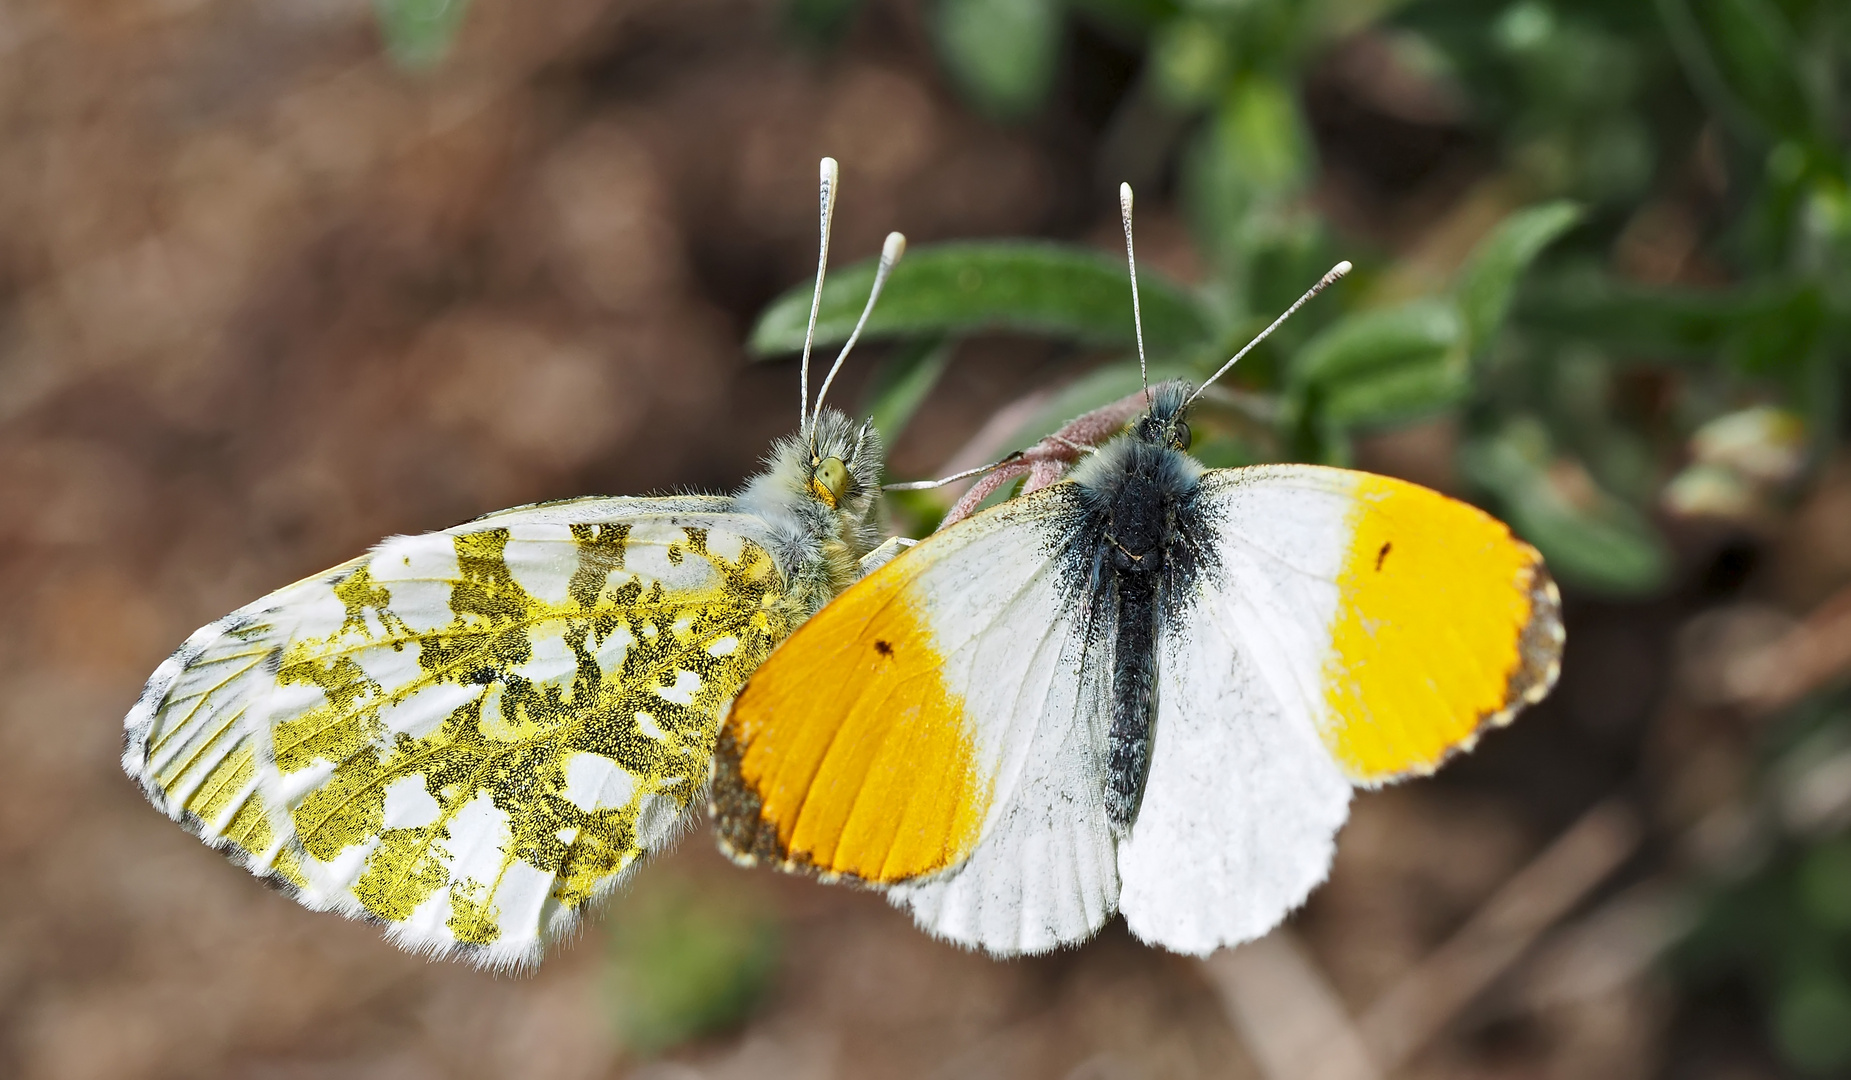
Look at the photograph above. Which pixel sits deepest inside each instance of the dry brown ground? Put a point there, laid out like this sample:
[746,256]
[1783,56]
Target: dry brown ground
[264,299]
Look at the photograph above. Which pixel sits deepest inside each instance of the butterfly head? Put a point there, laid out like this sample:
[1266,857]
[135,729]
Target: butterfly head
[1163,424]
[819,487]
[837,462]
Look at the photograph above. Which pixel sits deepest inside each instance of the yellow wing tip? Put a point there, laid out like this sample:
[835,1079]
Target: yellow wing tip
[1467,596]
[1539,651]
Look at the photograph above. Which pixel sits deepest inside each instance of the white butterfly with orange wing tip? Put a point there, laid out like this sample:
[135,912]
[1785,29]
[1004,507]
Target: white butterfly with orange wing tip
[471,735]
[1148,688]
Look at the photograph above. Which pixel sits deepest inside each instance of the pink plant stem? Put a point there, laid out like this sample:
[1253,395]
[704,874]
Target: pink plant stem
[983,489]
[1046,462]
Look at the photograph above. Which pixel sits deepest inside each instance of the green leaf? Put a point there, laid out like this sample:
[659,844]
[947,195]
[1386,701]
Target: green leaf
[1485,285]
[1260,125]
[1683,324]
[1624,317]
[1399,394]
[1061,291]
[1188,62]
[901,383]
[418,33]
[1000,53]
[1589,538]
[1246,170]
[1756,53]
[1371,342]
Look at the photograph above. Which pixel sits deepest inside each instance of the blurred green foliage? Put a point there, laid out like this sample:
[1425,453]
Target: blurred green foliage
[1001,53]
[1781,921]
[418,33]
[686,961]
[1709,135]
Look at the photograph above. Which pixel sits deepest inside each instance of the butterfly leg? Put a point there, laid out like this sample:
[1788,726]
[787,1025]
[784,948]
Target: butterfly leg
[882,555]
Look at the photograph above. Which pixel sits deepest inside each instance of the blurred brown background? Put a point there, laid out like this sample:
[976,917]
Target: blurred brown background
[265,298]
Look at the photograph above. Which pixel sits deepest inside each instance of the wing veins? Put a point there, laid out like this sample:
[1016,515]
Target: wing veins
[154,748]
[200,750]
[399,773]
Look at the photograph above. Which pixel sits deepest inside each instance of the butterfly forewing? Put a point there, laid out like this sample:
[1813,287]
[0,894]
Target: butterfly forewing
[1408,621]
[470,734]
[940,729]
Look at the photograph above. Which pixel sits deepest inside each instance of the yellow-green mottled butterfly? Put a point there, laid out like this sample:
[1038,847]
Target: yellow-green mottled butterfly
[472,734]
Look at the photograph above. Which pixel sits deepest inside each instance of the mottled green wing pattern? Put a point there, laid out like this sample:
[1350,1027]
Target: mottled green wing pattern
[469,735]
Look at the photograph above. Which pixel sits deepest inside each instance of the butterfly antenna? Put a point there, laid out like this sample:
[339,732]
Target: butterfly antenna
[1324,282]
[1131,261]
[890,254]
[928,485]
[828,211]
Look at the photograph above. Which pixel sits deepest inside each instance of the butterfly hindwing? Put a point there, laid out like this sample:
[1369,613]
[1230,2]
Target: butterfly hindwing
[1243,801]
[468,735]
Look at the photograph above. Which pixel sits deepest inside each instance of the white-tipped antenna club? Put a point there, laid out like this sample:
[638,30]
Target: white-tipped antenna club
[1131,262]
[891,251]
[829,172]
[1324,282]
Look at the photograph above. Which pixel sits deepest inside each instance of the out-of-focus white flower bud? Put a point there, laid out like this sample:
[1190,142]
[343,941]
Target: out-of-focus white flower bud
[1762,444]
[1711,491]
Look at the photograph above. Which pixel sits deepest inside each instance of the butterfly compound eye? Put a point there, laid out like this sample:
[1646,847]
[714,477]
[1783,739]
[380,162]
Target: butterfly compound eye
[829,481]
[1180,438]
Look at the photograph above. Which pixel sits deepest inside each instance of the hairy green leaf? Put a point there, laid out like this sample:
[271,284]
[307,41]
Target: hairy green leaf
[1399,394]
[1421,332]
[1052,289]
[1485,285]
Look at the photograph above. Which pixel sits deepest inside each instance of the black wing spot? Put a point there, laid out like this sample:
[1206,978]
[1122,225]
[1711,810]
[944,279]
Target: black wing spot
[1382,554]
[883,647]
[482,676]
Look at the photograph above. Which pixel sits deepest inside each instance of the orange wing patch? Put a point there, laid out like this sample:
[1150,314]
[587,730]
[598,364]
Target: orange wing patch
[1446,624]
[846,753]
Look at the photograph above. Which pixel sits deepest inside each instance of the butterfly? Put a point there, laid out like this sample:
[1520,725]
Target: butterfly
[471,735]
[1148,687]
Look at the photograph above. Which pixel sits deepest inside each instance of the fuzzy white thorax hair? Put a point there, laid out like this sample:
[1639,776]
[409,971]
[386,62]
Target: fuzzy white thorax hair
[819,545]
